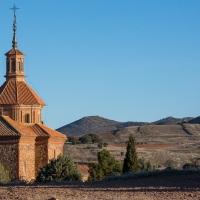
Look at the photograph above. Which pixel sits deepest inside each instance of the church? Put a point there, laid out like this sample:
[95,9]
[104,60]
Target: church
[26,144]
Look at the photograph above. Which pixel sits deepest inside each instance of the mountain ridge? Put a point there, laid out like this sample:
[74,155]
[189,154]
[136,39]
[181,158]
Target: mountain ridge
[97,124]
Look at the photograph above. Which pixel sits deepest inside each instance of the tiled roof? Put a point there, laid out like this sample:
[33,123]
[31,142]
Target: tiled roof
[9,127]
[42,130]
[18,92]
[14,52]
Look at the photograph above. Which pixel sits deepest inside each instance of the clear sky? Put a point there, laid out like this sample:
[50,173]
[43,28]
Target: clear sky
[126,60]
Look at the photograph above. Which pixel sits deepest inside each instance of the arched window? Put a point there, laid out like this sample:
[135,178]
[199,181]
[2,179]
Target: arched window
[8,67]
[33,117]
[1,111]
[19,66]
[27,118]
[21,117]
[13,66]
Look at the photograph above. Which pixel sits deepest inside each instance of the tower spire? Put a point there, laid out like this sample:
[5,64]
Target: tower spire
[14,41]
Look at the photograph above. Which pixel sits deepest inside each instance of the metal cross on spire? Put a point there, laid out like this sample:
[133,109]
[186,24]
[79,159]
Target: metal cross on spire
[14,41]
[14,8]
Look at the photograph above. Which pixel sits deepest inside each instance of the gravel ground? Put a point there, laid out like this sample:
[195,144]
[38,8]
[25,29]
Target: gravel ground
[149,188]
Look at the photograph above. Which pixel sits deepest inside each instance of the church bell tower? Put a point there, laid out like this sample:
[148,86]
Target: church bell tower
[17,99]
[14,58]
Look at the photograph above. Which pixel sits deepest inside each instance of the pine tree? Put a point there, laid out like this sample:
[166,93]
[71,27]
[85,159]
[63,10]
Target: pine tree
[131,159]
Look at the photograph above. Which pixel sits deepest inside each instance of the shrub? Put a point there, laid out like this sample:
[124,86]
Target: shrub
[86,139]
[189,166]
[100,145]
[105,144]
[144,166]
[194,164]
[131,159]
[73,140]
[91,138]
[107,165]
[4,175]
[61,169]
[170,164]
[96,172]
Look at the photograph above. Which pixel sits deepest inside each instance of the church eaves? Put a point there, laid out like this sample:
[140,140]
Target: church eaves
[9,127]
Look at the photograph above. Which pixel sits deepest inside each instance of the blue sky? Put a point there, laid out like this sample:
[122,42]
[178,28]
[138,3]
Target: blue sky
[130,60]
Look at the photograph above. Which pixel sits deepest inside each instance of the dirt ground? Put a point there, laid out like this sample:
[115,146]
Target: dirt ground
[149,188]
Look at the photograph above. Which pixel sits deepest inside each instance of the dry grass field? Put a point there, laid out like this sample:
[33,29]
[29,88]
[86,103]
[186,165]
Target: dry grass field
[162,145]
[169,187]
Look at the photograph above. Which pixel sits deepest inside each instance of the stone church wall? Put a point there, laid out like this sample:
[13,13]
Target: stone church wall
[54,149]
[9,158]
[27,161]
[40,156]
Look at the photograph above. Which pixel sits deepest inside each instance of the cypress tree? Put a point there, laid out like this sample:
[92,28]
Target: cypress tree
[131,159]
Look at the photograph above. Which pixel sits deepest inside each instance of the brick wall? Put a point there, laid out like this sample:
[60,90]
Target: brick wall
[9,158]
[54,149]
[40,155]
[27,160]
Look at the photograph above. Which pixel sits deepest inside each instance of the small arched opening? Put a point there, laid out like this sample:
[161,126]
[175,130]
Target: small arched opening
[19,66]
[13,66]
[27,118]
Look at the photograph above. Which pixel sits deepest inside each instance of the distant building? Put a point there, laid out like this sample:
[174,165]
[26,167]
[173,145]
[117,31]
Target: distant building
[26,144]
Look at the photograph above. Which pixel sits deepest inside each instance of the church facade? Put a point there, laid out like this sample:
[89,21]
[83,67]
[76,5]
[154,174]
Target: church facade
[26,144]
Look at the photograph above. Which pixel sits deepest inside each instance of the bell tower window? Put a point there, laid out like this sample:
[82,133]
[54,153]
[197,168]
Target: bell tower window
[19,69]
[27,118]
[8,66]
[1,111]
[13,66]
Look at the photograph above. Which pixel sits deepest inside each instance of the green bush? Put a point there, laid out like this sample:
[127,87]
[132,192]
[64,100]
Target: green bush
[96,172]
[4,175]
[91,138]
[73,140]
[100,145]
[144,166]
[61,169]
[86,139]
[107,165]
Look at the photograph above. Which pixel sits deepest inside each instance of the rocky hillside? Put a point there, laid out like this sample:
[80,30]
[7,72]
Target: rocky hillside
[194,120]
[94,124]
[171,121]
[162,145]
[166,142]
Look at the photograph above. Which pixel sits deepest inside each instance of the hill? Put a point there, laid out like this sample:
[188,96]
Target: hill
[94,124]
[194,120]
[171,121]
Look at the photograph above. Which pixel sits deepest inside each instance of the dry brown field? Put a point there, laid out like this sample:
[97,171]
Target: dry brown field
[162,145]
[174,187]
